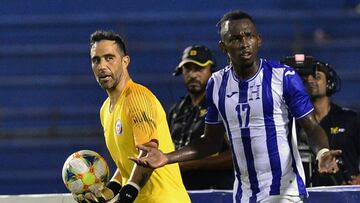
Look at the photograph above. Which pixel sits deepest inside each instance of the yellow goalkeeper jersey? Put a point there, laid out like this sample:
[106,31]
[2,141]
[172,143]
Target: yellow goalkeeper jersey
[138,118]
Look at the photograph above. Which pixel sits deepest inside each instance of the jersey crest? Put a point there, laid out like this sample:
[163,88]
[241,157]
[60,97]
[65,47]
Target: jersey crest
[118,127]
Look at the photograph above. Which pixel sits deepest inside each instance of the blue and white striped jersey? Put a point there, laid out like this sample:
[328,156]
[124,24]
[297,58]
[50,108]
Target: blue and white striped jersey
[257,114]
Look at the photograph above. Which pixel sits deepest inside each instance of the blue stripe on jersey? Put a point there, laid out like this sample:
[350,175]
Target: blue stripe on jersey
[246,139]
[300,181]
[212,114]
[222,93]
[271,140]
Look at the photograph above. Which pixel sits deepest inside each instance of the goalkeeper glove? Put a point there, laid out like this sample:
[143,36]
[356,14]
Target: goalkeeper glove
[101,195]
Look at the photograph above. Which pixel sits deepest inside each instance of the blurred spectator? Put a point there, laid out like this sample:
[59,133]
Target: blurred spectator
[342,126]
[320,36]
[187,121]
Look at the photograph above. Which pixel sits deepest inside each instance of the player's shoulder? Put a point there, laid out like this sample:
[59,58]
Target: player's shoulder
[136,95]
[218,75]
[274,64]
[277,69]
[137,86]
[105,104]
[136,89]
[103,109]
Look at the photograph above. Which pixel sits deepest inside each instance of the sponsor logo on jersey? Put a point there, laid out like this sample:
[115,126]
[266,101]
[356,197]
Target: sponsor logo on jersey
[336,130]
[290,72]
[231,94]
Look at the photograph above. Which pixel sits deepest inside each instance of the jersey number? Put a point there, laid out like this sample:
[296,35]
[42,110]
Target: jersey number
[243,111]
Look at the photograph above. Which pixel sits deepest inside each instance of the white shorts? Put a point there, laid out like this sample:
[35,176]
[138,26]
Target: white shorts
[282,199]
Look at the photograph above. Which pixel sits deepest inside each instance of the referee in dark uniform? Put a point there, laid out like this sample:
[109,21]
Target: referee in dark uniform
[186,120]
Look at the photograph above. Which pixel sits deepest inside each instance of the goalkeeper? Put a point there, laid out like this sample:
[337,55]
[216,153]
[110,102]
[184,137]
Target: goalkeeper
[131,115]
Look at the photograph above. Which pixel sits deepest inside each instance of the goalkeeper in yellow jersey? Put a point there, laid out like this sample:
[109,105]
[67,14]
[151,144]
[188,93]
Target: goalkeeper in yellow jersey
[131,115]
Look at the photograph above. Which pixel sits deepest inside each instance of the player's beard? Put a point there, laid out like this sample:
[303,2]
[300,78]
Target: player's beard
[108,85]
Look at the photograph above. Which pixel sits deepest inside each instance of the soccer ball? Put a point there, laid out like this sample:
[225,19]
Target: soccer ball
[84,171]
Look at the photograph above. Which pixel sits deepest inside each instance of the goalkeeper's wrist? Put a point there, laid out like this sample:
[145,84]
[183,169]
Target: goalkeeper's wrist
[129,192]
[321,153]
[114,186]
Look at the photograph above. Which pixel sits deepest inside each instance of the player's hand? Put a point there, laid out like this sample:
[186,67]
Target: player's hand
[355,180]
[154,157]
[99,195]
[327,162]
[84,197]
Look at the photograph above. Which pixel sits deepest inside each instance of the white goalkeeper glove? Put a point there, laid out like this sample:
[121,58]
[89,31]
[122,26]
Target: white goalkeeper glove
[99,195]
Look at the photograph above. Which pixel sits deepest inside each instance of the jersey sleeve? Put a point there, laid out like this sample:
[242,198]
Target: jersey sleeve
[212,116]
[295,95]
[142,114]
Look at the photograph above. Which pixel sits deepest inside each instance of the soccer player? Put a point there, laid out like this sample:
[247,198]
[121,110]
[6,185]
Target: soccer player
[254,100]
[342,126]
[131,115]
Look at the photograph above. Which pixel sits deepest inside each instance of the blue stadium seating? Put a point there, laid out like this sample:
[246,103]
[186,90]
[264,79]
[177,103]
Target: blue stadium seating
[35,166]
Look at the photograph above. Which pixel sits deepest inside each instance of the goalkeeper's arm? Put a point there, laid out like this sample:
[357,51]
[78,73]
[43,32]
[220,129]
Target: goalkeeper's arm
[113,187]
[139,176]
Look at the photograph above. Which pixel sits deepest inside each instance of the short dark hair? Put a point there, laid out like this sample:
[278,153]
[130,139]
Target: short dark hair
[108,35]
[233,15]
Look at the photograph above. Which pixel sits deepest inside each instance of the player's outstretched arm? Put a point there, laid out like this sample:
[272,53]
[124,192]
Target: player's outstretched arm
[220,161]
[320,145]
[207,145]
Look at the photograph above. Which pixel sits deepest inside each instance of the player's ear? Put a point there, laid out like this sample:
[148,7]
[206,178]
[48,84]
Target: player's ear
[259,40]
[126,60]
[222,47]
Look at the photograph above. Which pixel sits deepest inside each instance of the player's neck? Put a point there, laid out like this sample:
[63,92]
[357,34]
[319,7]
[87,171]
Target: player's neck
[246,72]
[116,92]
[322,107]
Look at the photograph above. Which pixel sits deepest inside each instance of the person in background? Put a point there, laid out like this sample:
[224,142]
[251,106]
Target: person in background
[254,100]
[342,126]
[131,115]
[186,121]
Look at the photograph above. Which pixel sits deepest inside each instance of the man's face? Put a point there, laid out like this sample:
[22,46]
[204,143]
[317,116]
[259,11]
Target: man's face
[195,77]
[316,86]
[108,63]
[240,41]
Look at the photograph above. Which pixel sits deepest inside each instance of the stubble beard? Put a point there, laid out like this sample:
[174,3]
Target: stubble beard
[196,91]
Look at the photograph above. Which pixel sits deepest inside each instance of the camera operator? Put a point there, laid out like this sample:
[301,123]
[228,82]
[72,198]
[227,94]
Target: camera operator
[341,125]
